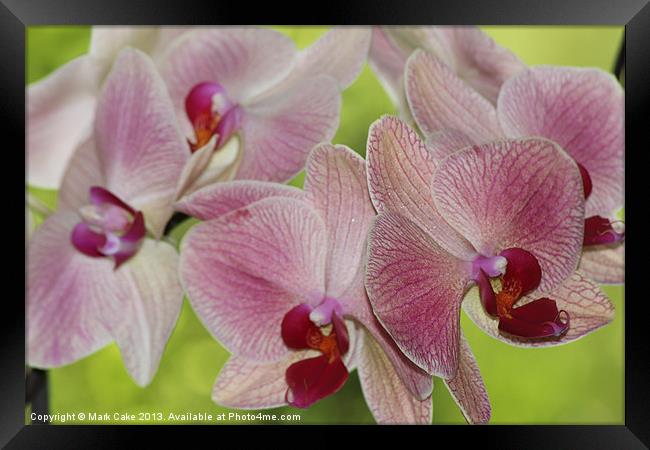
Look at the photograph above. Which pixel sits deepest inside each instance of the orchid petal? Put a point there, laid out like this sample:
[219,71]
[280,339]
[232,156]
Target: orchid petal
[604,264]
[246,384]
[245,270]
[218,199]
[60,110]
[467,388]
[83,172]
[63,324]
[388,60]
[400,172]
[138,141]
[279,129]
[517,193]
[587,306]
[478,60]
[339,53]
[415,288]
[357,306]
[440,100]
[387,397]
[445,142]
[580,109]
[148,300]
[336,185]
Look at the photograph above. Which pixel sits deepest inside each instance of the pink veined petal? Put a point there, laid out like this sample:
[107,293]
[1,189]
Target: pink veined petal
[388,60]
[400,173]
[138,140]
[445,142]
[147,301]
[279,130]
[339,53]
[337,187]
[245,270]
[64,324]
[60,110]
[415,289]
[604,264]
[245,61]
[478,60]
[83,172]
[357,306]
[587,306]
[580,109]
[388,398]
[440,100]
[216,200]
[516,193]
[467,387]
[246,384]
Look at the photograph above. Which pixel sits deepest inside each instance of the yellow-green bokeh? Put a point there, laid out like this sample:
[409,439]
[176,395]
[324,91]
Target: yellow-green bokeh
[579,383]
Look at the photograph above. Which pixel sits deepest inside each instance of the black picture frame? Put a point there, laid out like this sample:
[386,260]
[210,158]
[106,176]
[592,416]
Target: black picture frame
[16,15]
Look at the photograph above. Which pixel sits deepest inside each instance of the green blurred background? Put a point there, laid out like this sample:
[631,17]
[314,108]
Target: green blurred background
[579,383]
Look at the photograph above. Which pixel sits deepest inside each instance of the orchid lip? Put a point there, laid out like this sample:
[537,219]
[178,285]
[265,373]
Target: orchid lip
[312,379]
[537,319]
[108,228]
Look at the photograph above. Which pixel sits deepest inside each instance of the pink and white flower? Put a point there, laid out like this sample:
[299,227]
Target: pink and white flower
[251,105]
[94,276]
[61,106]
[466,50]
[278,281]
[507,216]
[579,109]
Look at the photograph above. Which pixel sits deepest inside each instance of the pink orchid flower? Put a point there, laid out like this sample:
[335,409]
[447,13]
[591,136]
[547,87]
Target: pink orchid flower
[580,109]
[61,106]
[279,282]
[253,86]
[466,50]
[93,274]
[506,216]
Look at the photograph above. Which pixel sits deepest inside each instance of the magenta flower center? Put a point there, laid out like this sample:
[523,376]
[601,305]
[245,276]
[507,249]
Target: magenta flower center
[537,319]
[108,228]
[212,113]
[322,329]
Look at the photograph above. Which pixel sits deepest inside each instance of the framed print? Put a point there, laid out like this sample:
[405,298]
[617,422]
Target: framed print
[411,217]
